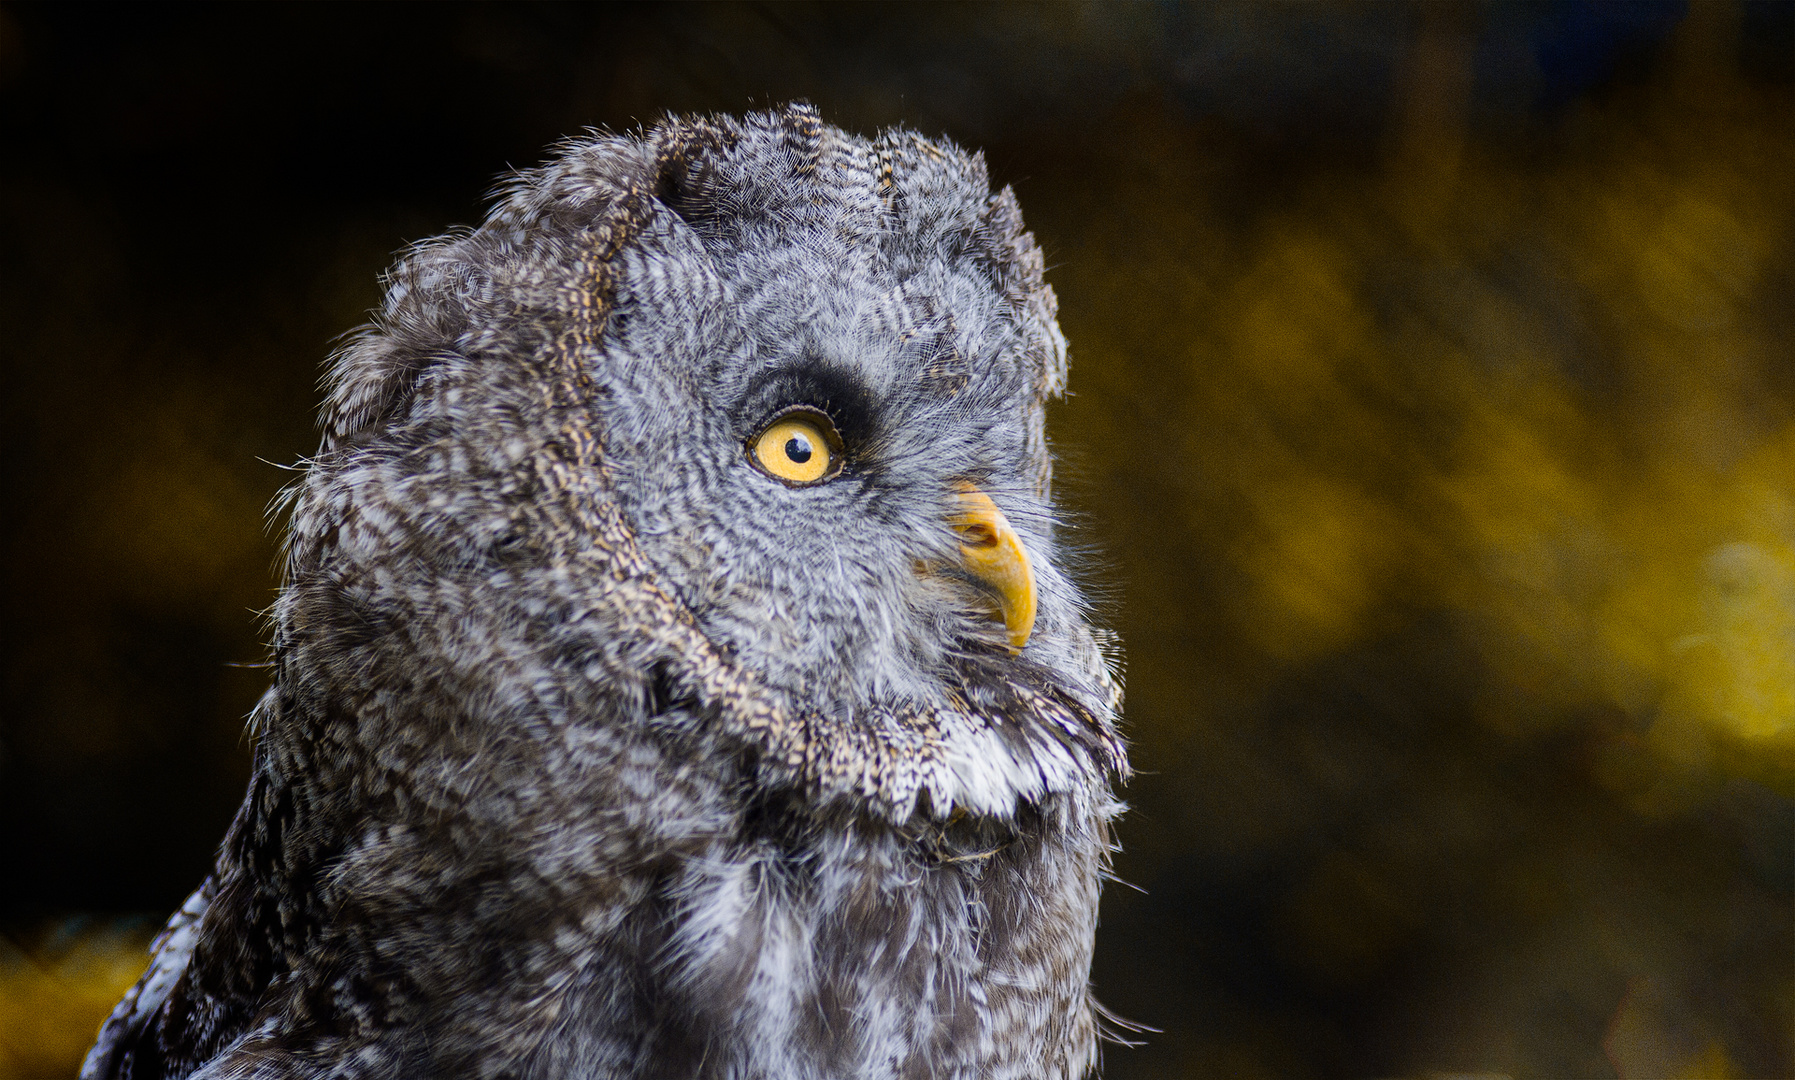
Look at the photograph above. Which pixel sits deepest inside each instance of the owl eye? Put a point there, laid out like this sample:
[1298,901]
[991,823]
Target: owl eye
[798,447]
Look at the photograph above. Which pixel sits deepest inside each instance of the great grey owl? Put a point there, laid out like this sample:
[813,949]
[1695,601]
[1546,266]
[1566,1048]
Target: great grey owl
[674,673]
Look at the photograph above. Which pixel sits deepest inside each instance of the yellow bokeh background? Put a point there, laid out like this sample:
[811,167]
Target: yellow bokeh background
[53,997]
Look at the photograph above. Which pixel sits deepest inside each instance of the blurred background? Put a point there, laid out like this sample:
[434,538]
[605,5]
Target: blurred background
[1432,435]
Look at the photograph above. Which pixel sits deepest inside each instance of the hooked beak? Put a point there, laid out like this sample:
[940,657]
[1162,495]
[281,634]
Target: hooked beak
[992,553]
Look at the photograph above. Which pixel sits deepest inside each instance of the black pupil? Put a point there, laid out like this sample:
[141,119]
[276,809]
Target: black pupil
[798,449]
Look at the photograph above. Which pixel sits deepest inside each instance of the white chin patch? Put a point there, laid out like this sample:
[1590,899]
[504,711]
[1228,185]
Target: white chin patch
[982,772]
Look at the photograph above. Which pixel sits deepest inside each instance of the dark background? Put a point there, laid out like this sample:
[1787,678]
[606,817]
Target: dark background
[1432,433]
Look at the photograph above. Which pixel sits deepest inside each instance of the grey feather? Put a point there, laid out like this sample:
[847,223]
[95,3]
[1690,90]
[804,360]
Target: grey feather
[593,752]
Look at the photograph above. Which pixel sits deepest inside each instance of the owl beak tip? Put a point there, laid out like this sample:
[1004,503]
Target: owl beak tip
[992,552]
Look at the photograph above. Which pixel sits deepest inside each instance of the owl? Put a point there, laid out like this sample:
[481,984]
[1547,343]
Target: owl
[674,671]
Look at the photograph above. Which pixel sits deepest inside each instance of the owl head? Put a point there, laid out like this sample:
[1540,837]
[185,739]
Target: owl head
[732,427]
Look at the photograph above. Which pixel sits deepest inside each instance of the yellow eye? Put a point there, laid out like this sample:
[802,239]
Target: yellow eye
[799,447]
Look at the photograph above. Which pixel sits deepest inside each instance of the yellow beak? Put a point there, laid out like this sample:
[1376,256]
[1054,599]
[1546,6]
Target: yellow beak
[992,553]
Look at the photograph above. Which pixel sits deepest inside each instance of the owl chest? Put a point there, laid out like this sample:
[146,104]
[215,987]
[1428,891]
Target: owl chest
[866,953]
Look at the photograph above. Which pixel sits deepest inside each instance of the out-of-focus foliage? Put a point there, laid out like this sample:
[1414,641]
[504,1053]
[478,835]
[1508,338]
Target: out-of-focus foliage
[1552,397]
[1432,422]
[1456,502]
[53,997]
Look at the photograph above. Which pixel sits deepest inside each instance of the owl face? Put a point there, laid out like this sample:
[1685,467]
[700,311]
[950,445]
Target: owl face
[737,426]
[797,466]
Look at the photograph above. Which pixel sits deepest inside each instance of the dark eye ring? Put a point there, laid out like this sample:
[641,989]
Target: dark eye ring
[798,447]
